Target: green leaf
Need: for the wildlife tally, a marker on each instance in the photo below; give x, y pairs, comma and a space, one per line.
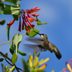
15, 17
1, 5
21, 53
10, 9
17, 39
12, 49
12, 69
40, 23
1, 59
2, 22
25, 66
7, 9
4, 68
14, 58
33, 32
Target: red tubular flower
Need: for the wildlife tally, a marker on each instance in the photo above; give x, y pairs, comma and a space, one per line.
11, 23
36, 9
35, 15
28, 17
29, 24
31, 19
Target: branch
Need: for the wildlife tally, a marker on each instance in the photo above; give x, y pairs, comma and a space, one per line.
7, 59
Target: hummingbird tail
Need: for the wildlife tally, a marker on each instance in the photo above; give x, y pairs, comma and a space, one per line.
57, 53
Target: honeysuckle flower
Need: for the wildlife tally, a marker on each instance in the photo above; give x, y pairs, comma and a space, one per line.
26, 21
37, 65
35, 15
31, 19
68, 66
28, 17
32, 13
33, 10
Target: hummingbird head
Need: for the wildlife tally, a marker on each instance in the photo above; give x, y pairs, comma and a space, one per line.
44, 36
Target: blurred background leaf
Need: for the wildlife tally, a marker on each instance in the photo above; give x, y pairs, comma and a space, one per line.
2, 22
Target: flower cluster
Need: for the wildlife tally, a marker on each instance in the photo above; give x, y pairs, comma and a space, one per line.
35, 65
28, 16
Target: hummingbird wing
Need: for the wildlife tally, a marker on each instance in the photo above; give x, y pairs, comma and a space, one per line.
34, 40
55, 50
35, 47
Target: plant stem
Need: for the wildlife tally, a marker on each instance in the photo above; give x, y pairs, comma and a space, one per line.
7, 59
16, 49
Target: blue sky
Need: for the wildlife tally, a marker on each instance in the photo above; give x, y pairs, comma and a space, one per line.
58, 14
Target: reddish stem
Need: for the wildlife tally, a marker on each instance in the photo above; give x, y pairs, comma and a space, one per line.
11, 23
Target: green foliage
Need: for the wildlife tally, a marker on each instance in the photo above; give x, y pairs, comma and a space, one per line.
14, 58
12, 49
21, 53
25, 66
17, 39
33, 32
7, 68
10, 9
2, 22
40, 23
1, 59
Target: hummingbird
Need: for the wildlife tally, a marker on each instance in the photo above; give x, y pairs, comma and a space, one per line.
44, 44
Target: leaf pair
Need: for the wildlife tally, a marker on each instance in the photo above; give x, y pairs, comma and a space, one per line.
14, 47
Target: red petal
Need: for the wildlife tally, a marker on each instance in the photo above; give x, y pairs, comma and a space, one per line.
31, 19
33, 10
35, 15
